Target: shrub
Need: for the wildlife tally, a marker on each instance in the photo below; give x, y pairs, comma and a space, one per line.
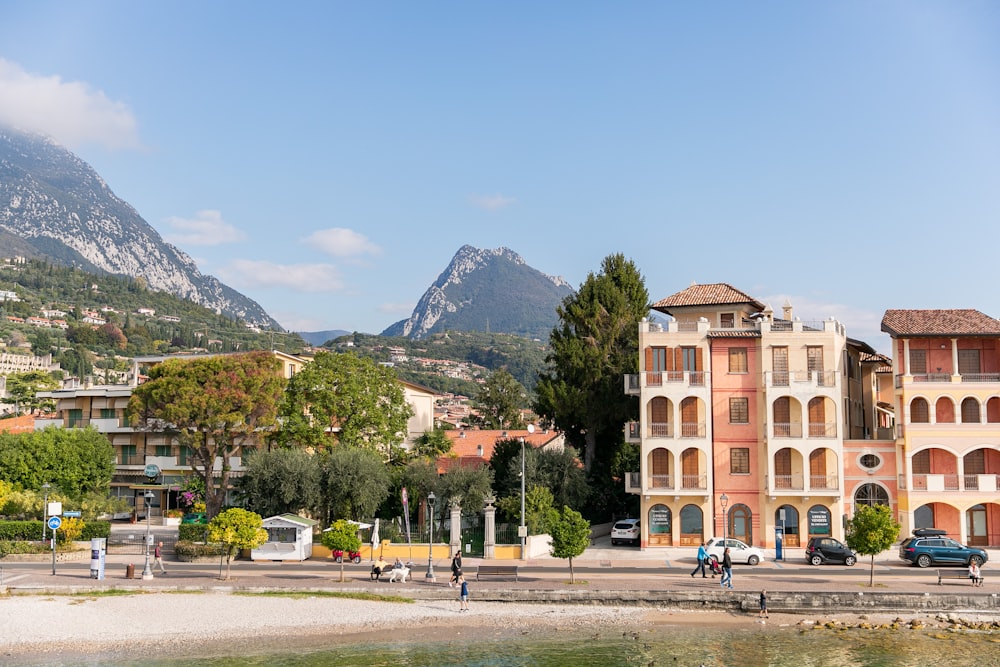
192, 532
196, 550
21, 530
92, 529
22, 547
71, 530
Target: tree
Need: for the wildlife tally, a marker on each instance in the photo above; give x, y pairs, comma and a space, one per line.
236, 529
500, 401
467, 486
352, 397
23, 389
871, 531
280, 480
594, 346
215, 406
341, 536
353, 483
570, 534
74, 461
431, 444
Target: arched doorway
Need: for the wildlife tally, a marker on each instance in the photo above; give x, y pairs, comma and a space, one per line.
740, 519
790, 523
975, 520
923, 517
692, 527
659, 525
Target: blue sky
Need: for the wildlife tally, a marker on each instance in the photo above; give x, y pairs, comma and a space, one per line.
329, 158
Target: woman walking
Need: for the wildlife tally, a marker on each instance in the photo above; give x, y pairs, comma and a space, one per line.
727, 570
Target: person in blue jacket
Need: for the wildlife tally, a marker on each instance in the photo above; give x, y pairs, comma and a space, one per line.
702, 556
463, 600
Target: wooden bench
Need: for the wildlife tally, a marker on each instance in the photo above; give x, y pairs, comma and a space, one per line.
497, 571
953, 574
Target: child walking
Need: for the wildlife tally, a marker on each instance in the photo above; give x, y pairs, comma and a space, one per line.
463, 599
763, 605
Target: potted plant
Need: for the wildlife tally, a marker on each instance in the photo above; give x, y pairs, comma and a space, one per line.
173, 517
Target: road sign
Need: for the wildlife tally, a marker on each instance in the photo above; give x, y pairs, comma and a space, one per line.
72, 514
54, 522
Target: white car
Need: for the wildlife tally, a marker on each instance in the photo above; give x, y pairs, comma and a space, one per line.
625, 530
739, 552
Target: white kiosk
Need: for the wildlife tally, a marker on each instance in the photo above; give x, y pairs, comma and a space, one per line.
289, 537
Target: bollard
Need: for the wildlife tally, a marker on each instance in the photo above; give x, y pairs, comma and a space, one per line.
130, 571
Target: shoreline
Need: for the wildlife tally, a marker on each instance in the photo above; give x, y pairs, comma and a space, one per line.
39, 628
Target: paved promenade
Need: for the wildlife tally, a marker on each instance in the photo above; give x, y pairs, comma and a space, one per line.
603, 575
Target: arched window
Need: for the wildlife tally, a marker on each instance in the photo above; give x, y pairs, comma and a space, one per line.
970, 411
871, 494
923, 517
692, 525
919, 411
659, 521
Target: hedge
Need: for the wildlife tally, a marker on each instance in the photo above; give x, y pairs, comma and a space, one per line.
27, 531
195, 550
192, 532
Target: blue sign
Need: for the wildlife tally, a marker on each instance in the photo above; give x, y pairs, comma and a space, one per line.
54, 522
72, 514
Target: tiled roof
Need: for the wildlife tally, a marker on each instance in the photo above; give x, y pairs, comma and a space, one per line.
465, 445
714, 294
22, 424
952, 322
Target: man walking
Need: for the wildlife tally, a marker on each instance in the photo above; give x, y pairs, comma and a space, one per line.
158, 557
702, 555
727, 570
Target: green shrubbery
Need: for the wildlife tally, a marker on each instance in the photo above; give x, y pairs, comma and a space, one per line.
188, 549
31, 531
192, 532
22, 547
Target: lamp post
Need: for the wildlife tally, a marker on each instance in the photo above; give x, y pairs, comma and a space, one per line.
45, 507
430, 543
522, 530
724, 500
147, 572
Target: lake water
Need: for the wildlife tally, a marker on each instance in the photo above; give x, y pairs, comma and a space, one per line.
658, 647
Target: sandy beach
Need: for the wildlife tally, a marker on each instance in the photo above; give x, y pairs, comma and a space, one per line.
38, 628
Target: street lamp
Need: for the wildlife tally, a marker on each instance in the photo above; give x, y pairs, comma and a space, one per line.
522, 530
147, 572
45, 507
430, 543
724, 500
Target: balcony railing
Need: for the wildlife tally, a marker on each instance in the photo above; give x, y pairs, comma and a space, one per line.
788, 378
824, 482
694, 481
828, 430
788, 482
661, 482
788, 430
947, 377
935, 482
658, 430
632, 432
692, 429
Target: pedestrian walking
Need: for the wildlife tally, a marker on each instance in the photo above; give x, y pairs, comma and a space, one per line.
456, 569
727, 570
463, 597
702, 556
158, 557
763, 605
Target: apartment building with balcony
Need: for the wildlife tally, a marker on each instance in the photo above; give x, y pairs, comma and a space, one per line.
946, 367
746, 420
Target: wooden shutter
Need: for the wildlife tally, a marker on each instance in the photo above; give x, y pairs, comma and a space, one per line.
817, 463
698, 355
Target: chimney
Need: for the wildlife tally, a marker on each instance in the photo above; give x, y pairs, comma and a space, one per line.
479, 450
786, 311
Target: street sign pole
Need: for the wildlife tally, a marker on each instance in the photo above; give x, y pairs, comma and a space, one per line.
54, 522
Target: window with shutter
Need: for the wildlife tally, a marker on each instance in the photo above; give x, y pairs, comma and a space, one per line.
970, 411
922, 462
727, 320
918, 362
739, 410
968, 362
814, 358
919, 411
737, 360
739, 461
779, 363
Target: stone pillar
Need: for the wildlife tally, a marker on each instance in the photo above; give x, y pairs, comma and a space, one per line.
490, 530
456, 525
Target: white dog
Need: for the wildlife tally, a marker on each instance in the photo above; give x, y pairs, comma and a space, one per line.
399, 573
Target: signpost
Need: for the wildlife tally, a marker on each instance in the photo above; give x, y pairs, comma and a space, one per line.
72, 514
54, 523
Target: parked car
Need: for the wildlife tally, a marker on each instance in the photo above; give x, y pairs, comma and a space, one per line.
930, 546
194, 517
739, 552
625, 530
821, 550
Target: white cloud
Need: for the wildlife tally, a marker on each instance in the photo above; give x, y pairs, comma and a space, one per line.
205, 228
393, 308
71, 112
491, 202
341, 242
247, 273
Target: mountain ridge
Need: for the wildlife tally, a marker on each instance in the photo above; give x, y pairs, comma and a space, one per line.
486, 290
57, 206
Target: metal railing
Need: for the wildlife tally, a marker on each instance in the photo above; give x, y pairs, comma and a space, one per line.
661, 481
820, 430
793, 430
821, 482
789, 482
692, 429
694, 481
661, 430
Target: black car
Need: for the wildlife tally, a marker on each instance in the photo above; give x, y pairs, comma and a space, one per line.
821, 550
930, 546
